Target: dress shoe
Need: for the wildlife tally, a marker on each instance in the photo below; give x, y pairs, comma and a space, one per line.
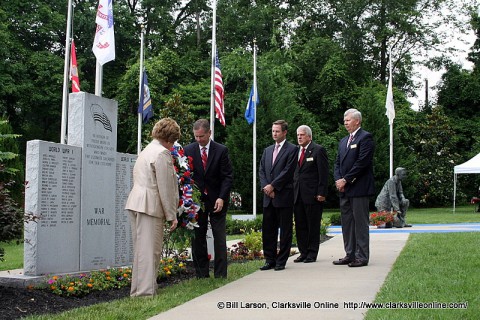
267, 266
342, 261
407, 226
358, 263
300, 259
279, 268
309, 260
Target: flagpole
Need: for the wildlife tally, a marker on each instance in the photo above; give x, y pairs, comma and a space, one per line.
391, 122
212, 86
66, 71
98, 79
254, 173
140, 115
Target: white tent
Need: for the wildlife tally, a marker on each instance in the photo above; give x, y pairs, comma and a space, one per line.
471, 166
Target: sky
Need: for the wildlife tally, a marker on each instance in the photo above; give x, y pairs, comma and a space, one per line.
464, 45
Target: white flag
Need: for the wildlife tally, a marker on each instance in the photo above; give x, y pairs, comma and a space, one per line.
104, 43
389, 103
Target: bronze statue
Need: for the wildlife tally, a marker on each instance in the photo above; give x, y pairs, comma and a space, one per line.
391, 198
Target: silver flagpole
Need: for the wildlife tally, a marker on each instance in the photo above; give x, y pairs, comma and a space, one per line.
212, 89
254, 173
98, 79
140, 114
391, 124
66, 71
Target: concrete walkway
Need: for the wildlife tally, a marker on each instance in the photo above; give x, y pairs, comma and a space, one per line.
318, 290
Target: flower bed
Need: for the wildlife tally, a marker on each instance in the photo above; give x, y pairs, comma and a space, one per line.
382, 218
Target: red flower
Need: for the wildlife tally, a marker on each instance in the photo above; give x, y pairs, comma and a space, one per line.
186, 174
209, 257
190, 162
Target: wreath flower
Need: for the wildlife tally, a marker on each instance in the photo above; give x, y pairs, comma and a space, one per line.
188, 206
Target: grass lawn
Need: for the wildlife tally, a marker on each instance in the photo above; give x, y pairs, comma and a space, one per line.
435, 267
432, 215
13, 256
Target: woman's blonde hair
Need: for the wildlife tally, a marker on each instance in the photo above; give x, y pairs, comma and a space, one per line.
166, 129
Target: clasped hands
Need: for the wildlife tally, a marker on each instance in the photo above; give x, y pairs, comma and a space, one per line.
269, 191
340, 184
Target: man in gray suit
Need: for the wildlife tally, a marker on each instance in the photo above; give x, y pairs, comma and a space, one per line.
355, 182
277, 167
310, 189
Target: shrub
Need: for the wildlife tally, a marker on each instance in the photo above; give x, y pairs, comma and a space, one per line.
235, 226
253, 241
11, 216
335, 219
171, 266
324, 228
249, 249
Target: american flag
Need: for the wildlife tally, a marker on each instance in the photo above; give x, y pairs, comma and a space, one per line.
219, 93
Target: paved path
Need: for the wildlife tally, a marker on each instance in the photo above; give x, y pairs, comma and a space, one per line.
319, 290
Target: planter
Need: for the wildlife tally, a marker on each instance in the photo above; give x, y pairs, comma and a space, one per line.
385, 225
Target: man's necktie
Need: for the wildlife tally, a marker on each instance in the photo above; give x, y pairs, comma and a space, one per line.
204, 158
349, 140
275, 152
302, 157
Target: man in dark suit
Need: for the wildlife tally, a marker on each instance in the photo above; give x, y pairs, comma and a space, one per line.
355, 182
310, 183
212, 173
277, 167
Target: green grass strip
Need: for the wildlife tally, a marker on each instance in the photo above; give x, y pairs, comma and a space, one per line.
438, 267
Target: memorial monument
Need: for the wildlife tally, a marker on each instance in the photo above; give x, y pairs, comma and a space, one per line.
78, 192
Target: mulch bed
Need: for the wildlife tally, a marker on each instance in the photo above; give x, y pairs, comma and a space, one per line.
16, 303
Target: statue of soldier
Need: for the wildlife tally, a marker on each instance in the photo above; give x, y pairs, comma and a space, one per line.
391, 198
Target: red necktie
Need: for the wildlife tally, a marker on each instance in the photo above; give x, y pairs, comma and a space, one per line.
204, 158
302, 157
349, 140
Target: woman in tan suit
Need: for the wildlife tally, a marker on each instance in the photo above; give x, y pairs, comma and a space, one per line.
152, 201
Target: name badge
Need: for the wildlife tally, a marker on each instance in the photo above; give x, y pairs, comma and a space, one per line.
310, 159
353, 146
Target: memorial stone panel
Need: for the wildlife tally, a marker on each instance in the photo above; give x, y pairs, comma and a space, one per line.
52, 195
123, 234
92, 125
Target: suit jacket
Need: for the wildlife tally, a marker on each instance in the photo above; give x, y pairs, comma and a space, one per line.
355, 164
279, 175
155, 184
311, 179
217, 178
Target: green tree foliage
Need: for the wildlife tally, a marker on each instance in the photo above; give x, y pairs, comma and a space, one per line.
11, 216
315, 59
435, 157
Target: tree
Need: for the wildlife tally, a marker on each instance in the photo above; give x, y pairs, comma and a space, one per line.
11, 216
